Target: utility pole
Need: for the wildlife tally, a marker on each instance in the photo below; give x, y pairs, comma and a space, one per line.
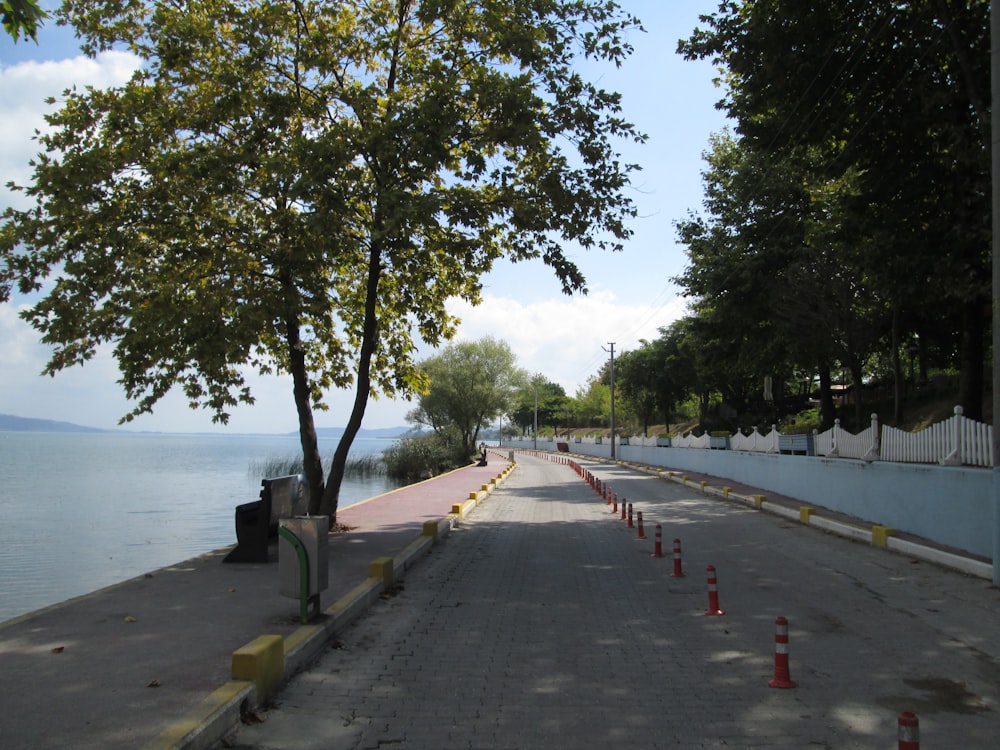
995, 175
534, 427
612, 350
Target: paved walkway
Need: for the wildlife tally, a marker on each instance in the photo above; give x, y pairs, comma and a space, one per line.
116, 668
544, 622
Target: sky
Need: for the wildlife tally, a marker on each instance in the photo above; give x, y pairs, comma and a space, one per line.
566, 339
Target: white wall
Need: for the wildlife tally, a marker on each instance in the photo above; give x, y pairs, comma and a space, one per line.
947, 504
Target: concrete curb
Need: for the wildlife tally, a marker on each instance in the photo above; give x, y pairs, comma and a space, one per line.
876, 535
222, 709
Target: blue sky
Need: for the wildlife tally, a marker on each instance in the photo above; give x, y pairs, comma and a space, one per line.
562, 337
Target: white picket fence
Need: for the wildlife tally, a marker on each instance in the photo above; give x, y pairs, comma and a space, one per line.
755, 441
691, 441
839, 443
954, 442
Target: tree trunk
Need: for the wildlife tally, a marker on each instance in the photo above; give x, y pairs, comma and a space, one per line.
827, 409
971, 355
369, 340
857, 376
897, 370
312, 461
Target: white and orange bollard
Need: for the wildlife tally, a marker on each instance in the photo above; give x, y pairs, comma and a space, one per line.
713, 593
658, 544
909, 731
782, 677
678, 571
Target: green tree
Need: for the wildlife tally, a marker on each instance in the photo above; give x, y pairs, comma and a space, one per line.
551, 403
298, 186
470, 384
592, 403
885, 103
21, 18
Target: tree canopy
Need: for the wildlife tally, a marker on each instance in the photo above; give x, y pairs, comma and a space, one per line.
848, 214
470, 385
297, 186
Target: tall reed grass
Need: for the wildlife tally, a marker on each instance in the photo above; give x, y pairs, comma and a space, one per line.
361, 467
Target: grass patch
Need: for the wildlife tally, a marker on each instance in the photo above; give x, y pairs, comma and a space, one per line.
362, 467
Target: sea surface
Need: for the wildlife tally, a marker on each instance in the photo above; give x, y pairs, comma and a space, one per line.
81, 511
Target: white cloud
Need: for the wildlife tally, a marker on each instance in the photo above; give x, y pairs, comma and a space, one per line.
564, 338
24, 87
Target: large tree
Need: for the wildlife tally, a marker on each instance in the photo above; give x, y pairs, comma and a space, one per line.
883, 104
470, 384
298, 186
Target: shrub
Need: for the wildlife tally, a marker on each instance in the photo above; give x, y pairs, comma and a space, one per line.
413, 459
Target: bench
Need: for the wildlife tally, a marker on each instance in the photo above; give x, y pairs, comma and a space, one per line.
257, 522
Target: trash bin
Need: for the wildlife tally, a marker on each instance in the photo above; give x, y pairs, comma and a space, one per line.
303, 559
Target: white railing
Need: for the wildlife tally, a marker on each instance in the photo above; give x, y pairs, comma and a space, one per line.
954, 442
755, 442
839, 443
691, 441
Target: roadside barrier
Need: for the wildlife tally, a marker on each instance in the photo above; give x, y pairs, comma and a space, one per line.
615, 508
658, 545
630, 524
908, 731
713, 593
678, 572
782, 677
642, 531
623, 508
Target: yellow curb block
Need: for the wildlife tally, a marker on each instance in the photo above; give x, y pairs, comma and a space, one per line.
262, 662
805, 513
881, 534
382, 568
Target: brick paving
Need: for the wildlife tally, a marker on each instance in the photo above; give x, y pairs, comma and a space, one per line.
544, 622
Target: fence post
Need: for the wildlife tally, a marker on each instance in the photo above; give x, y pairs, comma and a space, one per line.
954, 456
875, 450
835, 433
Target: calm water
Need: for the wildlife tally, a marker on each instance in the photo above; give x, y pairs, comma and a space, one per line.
82, 511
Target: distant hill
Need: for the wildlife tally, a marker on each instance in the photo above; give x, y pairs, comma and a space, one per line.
378, 432
10, 423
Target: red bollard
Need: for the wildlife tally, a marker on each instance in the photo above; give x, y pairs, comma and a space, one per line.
623, 509
678, 573
713, 593
782, 678
630, 524
909, 731
658, 546
642, 531
615, 508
